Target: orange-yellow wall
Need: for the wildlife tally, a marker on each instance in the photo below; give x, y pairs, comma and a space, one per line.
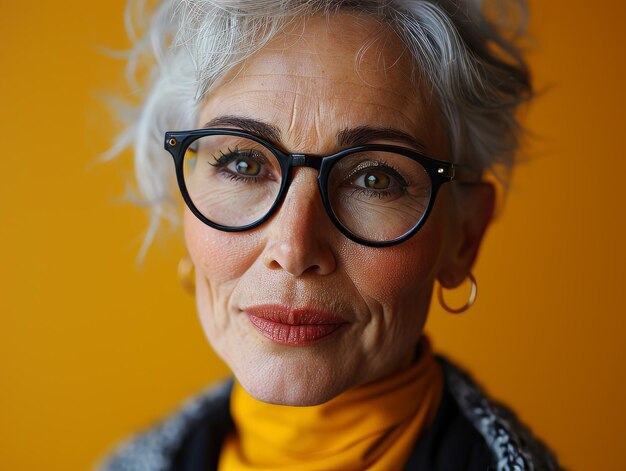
92, 347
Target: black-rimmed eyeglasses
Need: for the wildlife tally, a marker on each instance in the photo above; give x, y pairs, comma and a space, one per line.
376, 195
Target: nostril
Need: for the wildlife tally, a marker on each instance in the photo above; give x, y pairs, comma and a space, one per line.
273, 265
314, 269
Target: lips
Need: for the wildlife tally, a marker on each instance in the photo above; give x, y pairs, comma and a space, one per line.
296, 327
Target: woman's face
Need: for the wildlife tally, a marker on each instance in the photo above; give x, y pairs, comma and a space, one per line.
364, 308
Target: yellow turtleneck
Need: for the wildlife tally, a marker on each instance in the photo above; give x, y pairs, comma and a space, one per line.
374, 426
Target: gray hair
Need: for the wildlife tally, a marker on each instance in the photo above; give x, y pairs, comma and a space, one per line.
465, 49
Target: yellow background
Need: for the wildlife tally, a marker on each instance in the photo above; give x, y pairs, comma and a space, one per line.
92, 347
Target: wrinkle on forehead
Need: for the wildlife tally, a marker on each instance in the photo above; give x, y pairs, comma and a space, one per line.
327, 74
304, 130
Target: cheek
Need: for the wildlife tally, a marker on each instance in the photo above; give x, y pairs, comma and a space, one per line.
399, 273
220, 260
219, 256
404, 273
396, 283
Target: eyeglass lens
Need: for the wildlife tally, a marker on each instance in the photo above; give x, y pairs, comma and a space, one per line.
377, 196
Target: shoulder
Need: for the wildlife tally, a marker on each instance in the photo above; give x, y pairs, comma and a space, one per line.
511, 444
158, 447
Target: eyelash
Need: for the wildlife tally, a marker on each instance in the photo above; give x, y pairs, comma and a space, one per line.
369, 164
226, 158
369, 193
390, 170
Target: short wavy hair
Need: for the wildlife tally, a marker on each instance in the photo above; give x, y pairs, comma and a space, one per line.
466, 50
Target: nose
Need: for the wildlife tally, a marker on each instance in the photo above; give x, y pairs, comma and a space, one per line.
300, 234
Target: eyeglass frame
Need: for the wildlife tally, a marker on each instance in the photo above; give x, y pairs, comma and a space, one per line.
439, 172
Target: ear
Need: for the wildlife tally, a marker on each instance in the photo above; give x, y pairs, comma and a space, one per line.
475, 208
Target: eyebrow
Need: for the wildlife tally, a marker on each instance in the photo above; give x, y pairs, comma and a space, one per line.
261, 129
348, 137
361, 135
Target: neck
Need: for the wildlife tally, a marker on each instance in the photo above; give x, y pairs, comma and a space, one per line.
373, 426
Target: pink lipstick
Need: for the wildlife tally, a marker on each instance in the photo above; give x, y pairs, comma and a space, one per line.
296, 327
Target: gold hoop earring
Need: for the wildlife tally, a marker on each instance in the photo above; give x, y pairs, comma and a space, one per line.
470, 302
186, 276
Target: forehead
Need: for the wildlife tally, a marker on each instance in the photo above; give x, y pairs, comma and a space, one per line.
323, 75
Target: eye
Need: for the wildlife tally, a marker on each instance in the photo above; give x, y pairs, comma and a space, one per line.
374, 180
375, 177
246, 166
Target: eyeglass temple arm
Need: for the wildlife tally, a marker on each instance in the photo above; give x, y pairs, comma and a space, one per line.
464, 174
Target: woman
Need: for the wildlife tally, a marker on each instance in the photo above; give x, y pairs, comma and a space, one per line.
334, 170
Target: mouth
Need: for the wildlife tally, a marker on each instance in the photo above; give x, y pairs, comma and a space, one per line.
294, 326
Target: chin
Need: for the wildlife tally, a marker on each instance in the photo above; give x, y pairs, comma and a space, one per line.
301, 395
291, 383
